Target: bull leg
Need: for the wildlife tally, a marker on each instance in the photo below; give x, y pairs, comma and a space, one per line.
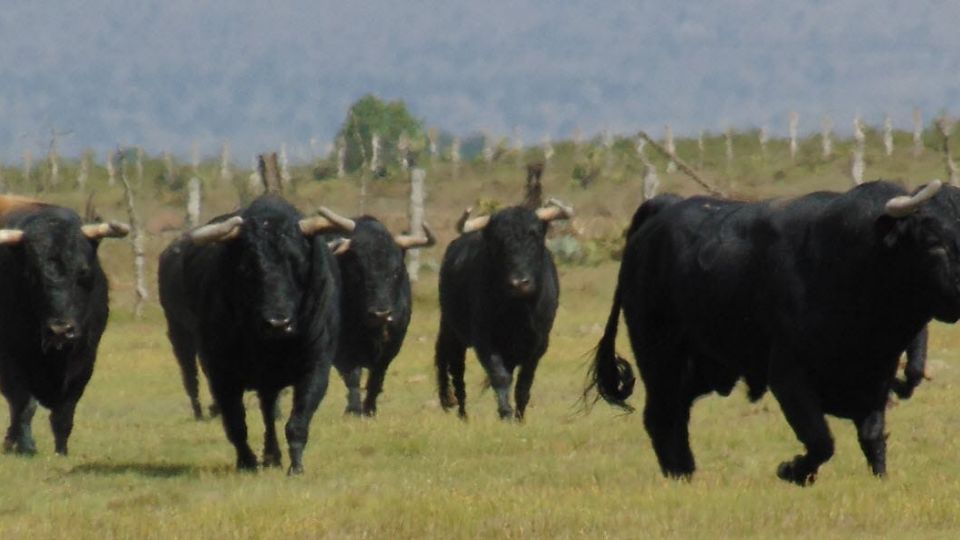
521, 393
307, 394
451, 364
803, 411
61, 422
19, 437
351, 378
873, 441
915, 368
666, 416
185, 350
271, 448
374, 387
501, 379
235, 424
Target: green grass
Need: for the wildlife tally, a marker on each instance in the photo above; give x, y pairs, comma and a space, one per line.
141, 467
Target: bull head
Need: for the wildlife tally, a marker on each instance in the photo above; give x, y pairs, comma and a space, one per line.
229, 229
553, 211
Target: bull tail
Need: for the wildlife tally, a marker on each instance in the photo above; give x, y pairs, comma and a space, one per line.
610, 374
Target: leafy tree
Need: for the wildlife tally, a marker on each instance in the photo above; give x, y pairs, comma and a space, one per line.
388, 119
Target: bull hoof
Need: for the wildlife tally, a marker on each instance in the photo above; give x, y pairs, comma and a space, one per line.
351, 411
295, 470
272, 461
247, 464
789, 472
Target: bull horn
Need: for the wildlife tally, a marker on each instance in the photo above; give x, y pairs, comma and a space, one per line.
554, 210
310, 226
344, 223
10, 237
905, 205
407, 241
467, 224
221, 231
111, 229
339, 246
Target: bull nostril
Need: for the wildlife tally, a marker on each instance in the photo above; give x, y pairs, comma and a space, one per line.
520, 282
62, 328
278, 322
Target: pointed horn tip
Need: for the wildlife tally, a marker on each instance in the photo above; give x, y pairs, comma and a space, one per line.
343, 222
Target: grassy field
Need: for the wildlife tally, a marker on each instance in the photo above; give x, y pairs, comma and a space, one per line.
140, 466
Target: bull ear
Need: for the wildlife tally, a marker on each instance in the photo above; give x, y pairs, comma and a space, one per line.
222, 231
554, 210
339, 246
111, 229
10, 237
406, 241
905, 205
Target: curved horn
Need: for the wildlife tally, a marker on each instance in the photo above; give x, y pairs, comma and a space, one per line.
466, 224
406, 241
111, 229
222, 231
339, 246
905, 205
554, 210
10, 237
310, 226
463, 218
344, 223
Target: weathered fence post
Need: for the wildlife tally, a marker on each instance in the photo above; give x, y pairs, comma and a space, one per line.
826, 141
858, 166
670, 146
139, 256
650, 180
84, 173
193, 202
169, 175
728, 139
945, 125
701, 149
455, 156
53, 160
403, 150
375, 152
417, 194
547, 149
111, 168
794, 121
917, 132
432, 139
341, 157
487, 150
285, 178
269, 173
226, 176
887, 135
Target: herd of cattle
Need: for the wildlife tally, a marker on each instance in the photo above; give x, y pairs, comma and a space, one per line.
815, 296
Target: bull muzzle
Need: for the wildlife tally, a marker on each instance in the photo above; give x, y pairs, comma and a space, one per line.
379, 316
521, 285
278, 326
59, 334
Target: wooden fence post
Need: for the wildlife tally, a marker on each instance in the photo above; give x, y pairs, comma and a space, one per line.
670, 146
193, 202
53, 160
455, 156
432, 139
728, 139
887, 135
651, 182
701, 149
111, 168
375, 157
794, 121
226, 175
826, 142
858, 166
403, 151
84, 172
139, 256
945, 125
547, 149
917, 132
417, 195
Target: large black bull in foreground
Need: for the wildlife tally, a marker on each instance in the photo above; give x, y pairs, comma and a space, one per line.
256, 294
53, 310
498, 294
375, 302
815, 297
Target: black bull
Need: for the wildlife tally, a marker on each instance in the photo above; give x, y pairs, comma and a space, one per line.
375, 303
53, 311
814, 297
256, 294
